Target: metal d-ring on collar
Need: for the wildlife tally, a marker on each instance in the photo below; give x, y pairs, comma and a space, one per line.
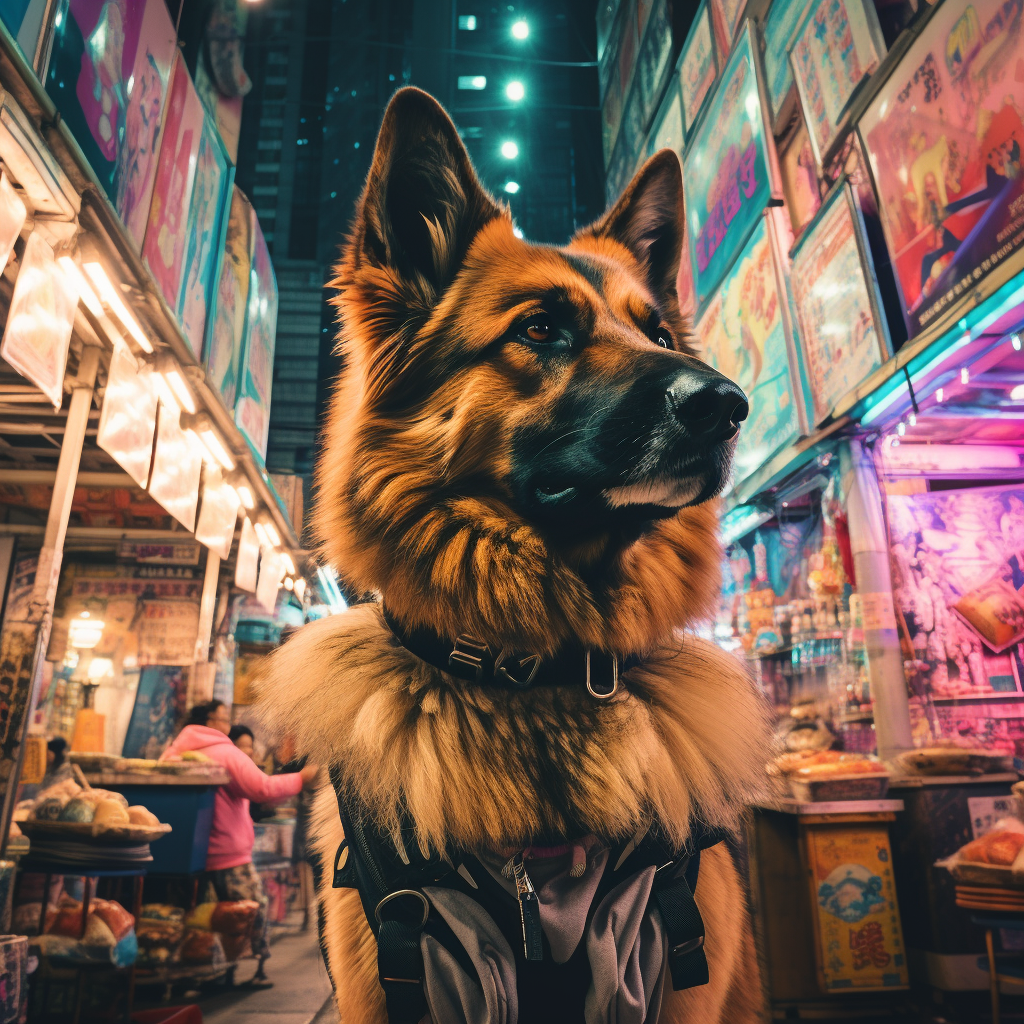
597, 694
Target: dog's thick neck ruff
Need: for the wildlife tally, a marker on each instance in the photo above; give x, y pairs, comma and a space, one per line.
482, 768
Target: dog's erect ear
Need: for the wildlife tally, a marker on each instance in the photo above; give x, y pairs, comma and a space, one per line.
422, 204
648, 220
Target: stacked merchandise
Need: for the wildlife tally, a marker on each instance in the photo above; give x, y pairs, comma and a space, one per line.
208, 938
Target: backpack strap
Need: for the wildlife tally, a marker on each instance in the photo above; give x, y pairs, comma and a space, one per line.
390, 884
675, 882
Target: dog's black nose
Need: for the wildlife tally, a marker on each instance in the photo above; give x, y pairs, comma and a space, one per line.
710, 406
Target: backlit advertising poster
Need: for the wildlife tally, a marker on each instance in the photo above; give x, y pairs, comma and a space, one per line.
743, 334
836, 48
226, 329
252, 411
164, 247
108, 74
729, 172
944, 138
784, 17
698, 65
842, 335
204, 236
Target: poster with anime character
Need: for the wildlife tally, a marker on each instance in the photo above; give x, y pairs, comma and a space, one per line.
204, 236
784, 17
164, 246
226, 330
252, 411
843, 337
726, 171
109, 71
698, 65
159, 705
835, 50
944, 140
958, 579
743, 335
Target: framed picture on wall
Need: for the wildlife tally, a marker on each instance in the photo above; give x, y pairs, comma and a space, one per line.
745, 332
698, 65
654, 62
834, 51
843, 334
943, 138
730, 170
780, 25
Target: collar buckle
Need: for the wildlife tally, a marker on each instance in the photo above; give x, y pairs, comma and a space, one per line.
469, 658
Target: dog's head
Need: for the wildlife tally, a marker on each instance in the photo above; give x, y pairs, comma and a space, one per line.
522, 443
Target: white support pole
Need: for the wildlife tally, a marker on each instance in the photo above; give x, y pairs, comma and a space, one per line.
869, 541
207, 606
52, 552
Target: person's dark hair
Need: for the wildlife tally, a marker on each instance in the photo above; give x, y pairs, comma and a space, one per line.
58, 747
201, 712
237, 731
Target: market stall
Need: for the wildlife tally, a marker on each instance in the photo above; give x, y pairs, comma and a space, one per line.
854, 258
138, 300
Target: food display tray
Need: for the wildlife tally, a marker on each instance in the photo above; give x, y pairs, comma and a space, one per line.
854, 786
98, 833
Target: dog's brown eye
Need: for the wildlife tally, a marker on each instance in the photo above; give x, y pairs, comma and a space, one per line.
663, 338
539, 329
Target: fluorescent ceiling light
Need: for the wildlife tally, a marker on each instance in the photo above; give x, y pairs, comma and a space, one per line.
85, 292
108, 293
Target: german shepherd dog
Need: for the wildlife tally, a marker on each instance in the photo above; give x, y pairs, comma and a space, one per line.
523, 448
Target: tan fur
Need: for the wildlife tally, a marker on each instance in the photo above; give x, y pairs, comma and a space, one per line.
418, 503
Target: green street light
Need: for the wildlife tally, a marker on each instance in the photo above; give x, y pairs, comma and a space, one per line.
509, 150
511, 187
520, 30
515, 91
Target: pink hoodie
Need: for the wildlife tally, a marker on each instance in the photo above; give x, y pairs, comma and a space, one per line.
232, 836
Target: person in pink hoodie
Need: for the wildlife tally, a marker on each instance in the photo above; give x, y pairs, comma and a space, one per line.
230, 872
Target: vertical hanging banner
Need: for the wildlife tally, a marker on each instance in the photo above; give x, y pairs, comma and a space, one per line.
164, 246
944, 137
128, 420
39, 322
177, 466
727, 14
108, 74
247, 557
252, 410
729, 170
667, 131
698, 65
204, 236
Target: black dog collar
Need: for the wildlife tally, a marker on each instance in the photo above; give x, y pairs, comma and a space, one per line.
476, 661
